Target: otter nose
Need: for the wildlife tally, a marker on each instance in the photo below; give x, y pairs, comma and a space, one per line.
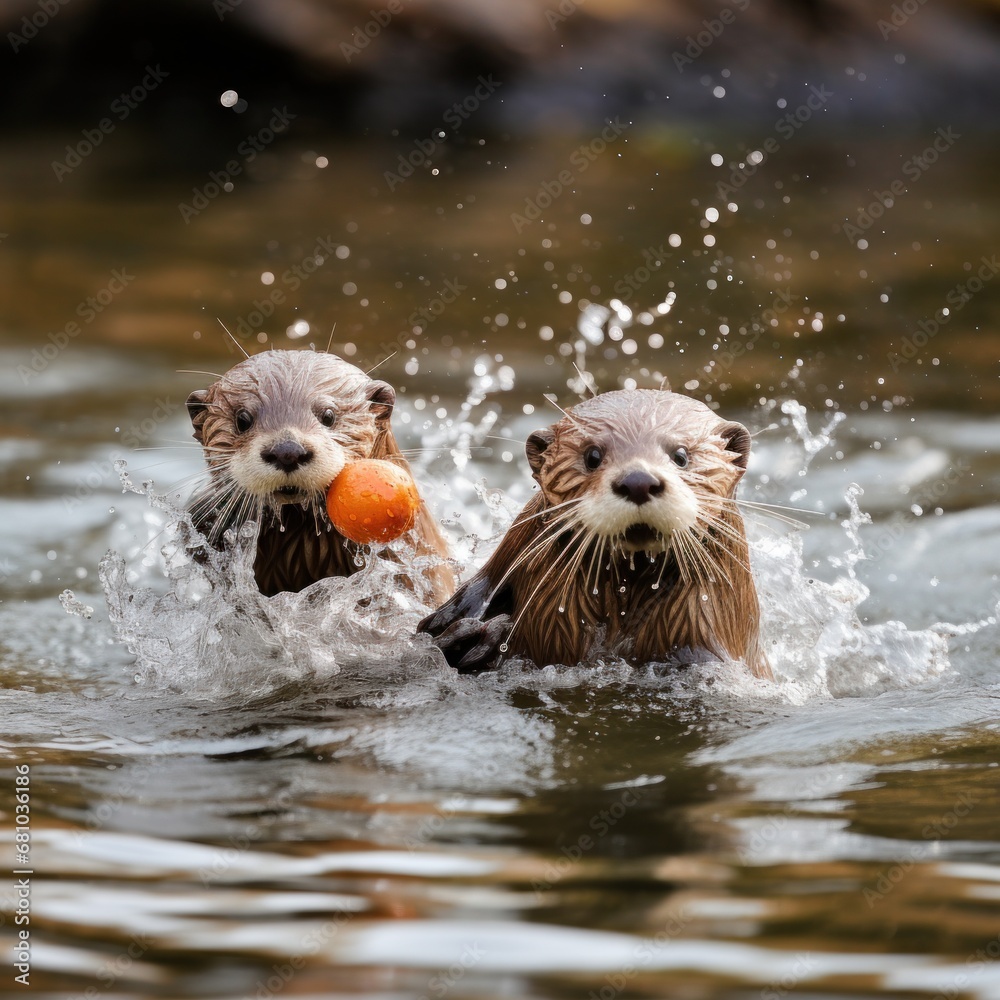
286, 455
638, 486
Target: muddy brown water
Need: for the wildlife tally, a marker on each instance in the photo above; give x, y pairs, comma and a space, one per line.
385, 830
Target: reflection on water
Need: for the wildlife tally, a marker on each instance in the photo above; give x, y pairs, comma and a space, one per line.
240, 811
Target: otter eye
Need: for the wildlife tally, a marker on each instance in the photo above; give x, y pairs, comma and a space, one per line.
593, 457
680, 457
244, 421
327, 417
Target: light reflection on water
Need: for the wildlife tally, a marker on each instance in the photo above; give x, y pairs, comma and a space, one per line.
390, 829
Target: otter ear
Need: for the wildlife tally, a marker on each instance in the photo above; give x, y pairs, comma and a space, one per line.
382, 397
535, 447
737, 439
197, 407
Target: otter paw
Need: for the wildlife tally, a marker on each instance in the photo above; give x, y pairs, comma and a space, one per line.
471, 645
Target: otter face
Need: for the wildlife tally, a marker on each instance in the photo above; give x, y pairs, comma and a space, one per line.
635, 467
279, 427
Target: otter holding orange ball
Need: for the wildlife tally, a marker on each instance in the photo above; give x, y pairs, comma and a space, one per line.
277, 430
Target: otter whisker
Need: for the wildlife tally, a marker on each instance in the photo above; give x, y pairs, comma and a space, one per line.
707, 560
720, 529
774, 511
582, 542
527, 604
597, 556
665, 562
233, 339
546, 536
520, 519
586, 378
388, 357
222, 523
549, 398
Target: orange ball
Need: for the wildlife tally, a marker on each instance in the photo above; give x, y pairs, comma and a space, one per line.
372, 501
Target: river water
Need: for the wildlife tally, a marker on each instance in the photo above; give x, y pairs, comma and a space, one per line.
232, 796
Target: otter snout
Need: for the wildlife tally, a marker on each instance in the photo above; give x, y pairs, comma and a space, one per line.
287, 455
638, 486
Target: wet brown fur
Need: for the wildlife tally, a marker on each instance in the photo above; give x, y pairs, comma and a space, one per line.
286, 389
546, 569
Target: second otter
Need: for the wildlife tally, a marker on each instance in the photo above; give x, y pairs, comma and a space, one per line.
276, 430
634, 544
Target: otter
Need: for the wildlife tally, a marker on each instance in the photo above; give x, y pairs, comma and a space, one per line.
634, 544
276, 430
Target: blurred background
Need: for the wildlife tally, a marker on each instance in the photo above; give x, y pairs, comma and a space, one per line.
763, 137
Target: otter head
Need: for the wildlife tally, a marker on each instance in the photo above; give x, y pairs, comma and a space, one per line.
278, 427
635, 466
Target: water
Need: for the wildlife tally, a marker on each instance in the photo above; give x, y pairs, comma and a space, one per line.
294, 796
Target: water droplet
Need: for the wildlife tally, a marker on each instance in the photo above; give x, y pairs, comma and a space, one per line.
654, 586
621, 589
504, 647
562, 609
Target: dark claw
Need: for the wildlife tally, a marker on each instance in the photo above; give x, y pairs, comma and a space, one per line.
470, 645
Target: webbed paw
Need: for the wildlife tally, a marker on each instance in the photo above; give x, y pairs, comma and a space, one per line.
471, 644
